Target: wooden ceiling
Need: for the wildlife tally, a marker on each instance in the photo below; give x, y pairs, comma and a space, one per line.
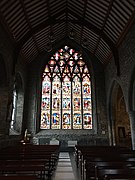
101, 24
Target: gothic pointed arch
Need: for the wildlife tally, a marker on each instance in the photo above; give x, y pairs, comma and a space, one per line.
66, 92
17, 106
131, 92
119, 124
3, 73
4, 96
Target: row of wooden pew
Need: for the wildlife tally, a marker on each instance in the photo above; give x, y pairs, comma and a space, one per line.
105, 162
32, 161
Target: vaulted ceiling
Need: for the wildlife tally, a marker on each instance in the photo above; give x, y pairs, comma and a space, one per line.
98, 25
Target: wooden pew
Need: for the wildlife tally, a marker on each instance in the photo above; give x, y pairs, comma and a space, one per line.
29, 158
105, 173
96, 159
29, 169
91, 150
18, 177
119, 177
96, 169
87, 154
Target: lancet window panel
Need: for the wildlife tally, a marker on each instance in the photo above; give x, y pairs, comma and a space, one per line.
66, 92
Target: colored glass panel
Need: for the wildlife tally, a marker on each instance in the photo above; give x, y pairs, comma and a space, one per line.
81, 63
56, 55
76, 70
87, 121
77, 103
76, 86
66, 103
66, 124
76, 91
66, 86
61, 63
86, 87
56, 103
56, 120
87, 104
66, 70
61, 69
86, 69
52, 62
46, 69
66, 56
46, 85
45, 103
76, 56
77, 122
87, 109
71, 63
71, 69
56, 70
45, 120
71, 51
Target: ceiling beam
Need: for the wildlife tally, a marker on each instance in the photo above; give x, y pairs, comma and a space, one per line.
81, 22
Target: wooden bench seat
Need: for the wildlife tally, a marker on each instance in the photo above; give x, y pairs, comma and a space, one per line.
106, 173
120, 176
84, 151
88, 158
18, 177
29, 160
38, 170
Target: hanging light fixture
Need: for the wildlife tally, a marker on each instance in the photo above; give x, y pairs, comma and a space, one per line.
52, 37
48, 47
72, 34
85, 43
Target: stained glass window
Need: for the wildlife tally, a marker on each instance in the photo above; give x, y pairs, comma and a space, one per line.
46, 92
13, 121
66, 92
56, 103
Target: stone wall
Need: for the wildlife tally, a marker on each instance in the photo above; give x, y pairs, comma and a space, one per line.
6, 55
127, 66
11, 69
125, 81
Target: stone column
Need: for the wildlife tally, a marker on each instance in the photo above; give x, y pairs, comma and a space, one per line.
132, 126
3, 110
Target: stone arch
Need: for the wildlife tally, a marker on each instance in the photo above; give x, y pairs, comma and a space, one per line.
3, 72
63, 119
131, 104
3, 96
90, 59
119, 124
18, 119
131, 92
33, 115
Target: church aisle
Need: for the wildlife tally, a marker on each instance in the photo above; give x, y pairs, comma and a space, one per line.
65, 169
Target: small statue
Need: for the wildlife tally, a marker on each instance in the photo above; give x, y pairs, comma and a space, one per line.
27, 136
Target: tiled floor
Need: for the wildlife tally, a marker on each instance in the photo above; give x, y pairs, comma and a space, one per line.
66, 169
